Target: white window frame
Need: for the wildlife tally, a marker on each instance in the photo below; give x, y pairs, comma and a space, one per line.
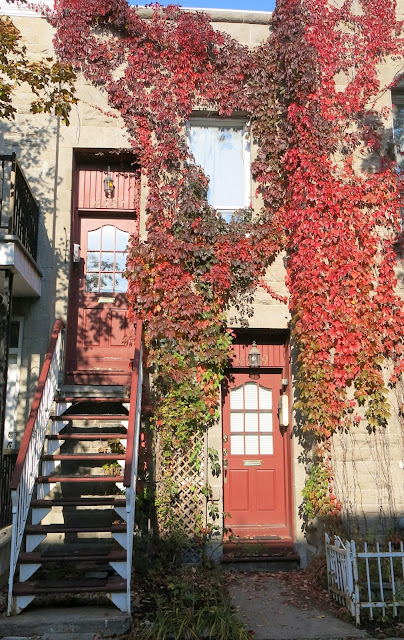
229, 123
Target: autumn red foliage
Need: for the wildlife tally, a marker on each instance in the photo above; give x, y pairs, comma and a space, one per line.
330, 199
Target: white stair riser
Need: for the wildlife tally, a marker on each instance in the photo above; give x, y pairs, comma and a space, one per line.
39, 513
120, 600
27, 570
33, 540
121, 568
20, 602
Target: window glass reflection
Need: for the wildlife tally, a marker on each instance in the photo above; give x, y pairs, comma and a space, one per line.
94, 239
108, 238
93, 261
120, 261
121, 283
122, 239
107, 261
92, 282
106, 282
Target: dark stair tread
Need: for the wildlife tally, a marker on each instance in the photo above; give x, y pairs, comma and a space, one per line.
87, 436
89, 416
80, 502
115, 585
84, 456
36, 557
292, 557
62, 528
82, 478
94, 399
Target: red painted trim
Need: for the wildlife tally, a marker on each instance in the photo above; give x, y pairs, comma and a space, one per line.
127, 478
15, 480
289, 460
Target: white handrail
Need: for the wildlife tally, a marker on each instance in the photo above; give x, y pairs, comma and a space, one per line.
26, 469
131, 490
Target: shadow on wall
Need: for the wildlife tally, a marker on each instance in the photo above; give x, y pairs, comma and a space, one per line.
34, 140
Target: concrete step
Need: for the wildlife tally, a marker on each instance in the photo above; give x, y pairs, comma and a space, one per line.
67, 623
259, 554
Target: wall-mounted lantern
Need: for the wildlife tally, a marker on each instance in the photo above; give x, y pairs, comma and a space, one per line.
254, 357
109, 185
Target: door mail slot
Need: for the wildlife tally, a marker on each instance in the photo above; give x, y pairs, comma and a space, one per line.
106, 300
252, 463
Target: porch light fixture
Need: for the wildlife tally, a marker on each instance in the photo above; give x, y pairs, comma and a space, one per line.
109, 185
254, 357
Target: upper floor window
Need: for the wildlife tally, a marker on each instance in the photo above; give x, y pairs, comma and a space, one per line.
221, 148
398, 127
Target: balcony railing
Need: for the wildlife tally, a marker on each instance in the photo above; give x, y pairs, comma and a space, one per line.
19, 211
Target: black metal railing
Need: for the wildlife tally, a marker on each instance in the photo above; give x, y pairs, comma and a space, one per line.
19, 211
6, 470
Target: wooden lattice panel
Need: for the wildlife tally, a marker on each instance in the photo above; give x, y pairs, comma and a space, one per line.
186, 474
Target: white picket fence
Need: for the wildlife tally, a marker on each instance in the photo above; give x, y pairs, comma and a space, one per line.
369, 579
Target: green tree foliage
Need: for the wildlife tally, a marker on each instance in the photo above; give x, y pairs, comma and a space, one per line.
51, 83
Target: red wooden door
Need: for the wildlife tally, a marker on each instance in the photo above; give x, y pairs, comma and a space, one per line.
255, 459
100, 354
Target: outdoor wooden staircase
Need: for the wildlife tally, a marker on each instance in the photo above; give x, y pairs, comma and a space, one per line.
78, 533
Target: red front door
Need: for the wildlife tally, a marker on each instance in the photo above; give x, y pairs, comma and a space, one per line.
100, 353
255, 459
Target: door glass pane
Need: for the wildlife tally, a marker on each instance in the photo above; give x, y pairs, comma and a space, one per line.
107, 262
92, 282
237, 445
251, 396
236, 422
106, 282
121, 283
266, 445
266, 421
251, 445
122, 239
93, 261
120, 261
94, 240
251, 421
265, 398
108, 238
236, 398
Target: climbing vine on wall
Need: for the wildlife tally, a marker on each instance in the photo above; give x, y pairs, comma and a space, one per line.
335, 192
309, 91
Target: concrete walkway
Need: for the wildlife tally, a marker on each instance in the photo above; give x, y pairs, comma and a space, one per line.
265, 605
